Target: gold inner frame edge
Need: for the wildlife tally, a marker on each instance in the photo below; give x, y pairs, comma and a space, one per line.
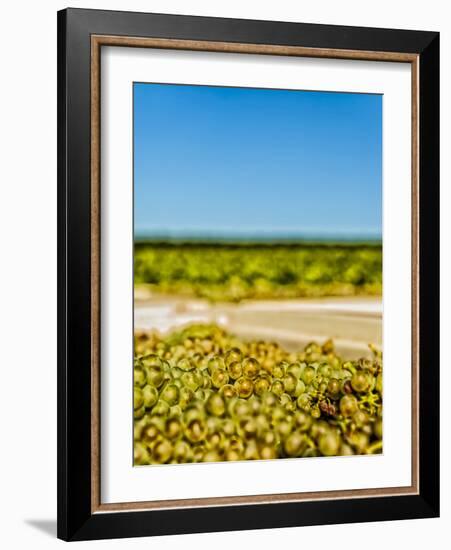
97, 41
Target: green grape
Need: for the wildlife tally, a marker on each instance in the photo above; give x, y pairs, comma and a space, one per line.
161, 408
211, 456
346, 450
333, 388
138, 398
199, 451
228, 427
324, 370
207, 345
315, 411
284, 399
322, 386
289, 383
162, 451
182, 452
360, 418
295, 370
255, 404
235, 370
194, 412
196, 431
188, 343
371, 382
228, 391
291, 406
185, 364
359, 441
304, 402
219, 378
170, 394
177, 382
200, 394
152, 431
294, 444
241, 408
284, 428
329, 443
328, 347
269, 400
300, 388
268, 453
215, 441
151, 360
139, 413
308, 374
236, 444
138, 428
175, 411
278, 414
216, 405
312, 348
185, 397
206, 382
251, 450
233, 455
244, 387
319, 428
216, 362
190, 381
278, 387
139, 376
176, 373
251, 367
140, 454
377, 428
262, 384
155, 375
150, 396
278, 371
348, 405
249, 428
349, 367
173, 428
232, 356
303, 421
359, 382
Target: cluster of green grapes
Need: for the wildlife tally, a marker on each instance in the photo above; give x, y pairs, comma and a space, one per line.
201, 395
238, 272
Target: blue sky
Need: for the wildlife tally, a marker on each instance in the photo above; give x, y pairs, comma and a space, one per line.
216, 161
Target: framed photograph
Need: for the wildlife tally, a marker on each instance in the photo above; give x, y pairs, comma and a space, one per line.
248, 274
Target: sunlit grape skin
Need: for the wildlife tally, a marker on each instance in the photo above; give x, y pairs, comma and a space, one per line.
329, 443
359, 381
244, 387
348, 405
211, 397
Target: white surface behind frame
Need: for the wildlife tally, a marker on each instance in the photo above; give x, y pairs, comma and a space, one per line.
120, 481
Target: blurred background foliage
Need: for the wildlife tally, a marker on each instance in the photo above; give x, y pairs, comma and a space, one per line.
238, 271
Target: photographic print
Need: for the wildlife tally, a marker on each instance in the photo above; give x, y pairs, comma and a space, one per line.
248, 274
257, 273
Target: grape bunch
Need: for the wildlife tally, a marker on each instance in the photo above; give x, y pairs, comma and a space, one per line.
202, 395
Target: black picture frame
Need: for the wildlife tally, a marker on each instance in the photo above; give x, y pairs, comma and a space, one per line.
76, 518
